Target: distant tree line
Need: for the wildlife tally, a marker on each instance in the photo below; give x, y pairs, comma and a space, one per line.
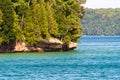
32, 21
101, 22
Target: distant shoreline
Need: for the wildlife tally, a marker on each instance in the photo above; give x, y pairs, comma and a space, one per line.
101, 35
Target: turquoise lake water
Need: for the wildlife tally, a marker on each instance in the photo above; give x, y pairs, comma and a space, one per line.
96, 58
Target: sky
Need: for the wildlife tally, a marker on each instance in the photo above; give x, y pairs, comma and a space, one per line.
102, 4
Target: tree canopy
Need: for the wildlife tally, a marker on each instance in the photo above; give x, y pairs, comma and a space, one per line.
32, 21
101, 22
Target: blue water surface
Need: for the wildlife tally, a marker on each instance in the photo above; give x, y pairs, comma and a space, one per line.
96, 58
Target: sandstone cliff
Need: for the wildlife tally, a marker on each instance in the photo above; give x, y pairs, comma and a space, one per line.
47, 45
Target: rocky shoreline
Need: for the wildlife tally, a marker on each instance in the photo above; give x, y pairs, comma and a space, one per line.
50, 45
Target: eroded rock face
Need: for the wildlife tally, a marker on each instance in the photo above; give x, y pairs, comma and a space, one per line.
51, 44
73, 45
70, 46
7, 47
52, 41
20, 47
47, 45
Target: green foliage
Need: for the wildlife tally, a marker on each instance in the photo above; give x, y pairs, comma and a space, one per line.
1, 14
29, 26
1, 20
7, 9
34, 20
101, 22
52, 24
67, 16
32, 28
17, 30
43, 20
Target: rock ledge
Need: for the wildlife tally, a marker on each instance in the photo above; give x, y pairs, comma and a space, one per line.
47, 45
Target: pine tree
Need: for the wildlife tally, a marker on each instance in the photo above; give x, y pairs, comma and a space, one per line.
1, 14
7, 9
1, 20
52, 24
29, 26
34, 20
43, 20
21, 10
17, 30
32, 30
67, 16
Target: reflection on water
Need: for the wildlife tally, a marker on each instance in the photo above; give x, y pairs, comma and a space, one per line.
95, 59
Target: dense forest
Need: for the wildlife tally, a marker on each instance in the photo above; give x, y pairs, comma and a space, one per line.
32, 21
101, 22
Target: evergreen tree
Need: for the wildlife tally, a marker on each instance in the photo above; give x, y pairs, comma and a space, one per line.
1, 14
29, 26
52, 24
17, 30
67, 16
34, 20
7, 9
32, 27
1, 20
43, 20
21, 10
